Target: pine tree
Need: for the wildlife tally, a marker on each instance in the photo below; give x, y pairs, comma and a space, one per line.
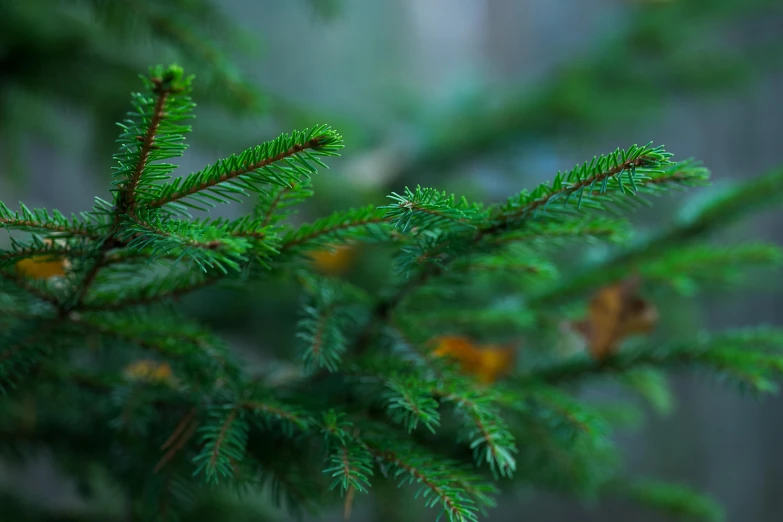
414, 384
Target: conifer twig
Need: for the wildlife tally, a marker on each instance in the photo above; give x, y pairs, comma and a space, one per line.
227, 176
51, 227
162, 92
23, 284
184, 431
144, 300
343, 226
543, 201
644, 159
724, 210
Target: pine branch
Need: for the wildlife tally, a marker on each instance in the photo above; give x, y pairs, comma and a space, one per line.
151, 134
37, 289
547, 234
350, 469
247, 227
639, 164
283, 161
23, 347
94, 261
725, 355
328, 314
596, 185
564, 445
409, 398
40, 248
171, 336
182, 434
459, 492
440, 481
652, 384
351, 462
43, 220
323, 341
687, 267
724, 210
274, 205
561, 411
224, 437
365, 223
146, 143
238, 432
268, 411
427, 208
209, 247
674, 500
470, 318
157, 290
407, 403
487, 433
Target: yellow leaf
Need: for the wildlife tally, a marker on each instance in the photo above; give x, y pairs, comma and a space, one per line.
334, 262
41, 267
496, 362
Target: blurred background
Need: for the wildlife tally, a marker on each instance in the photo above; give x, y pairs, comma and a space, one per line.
480, 97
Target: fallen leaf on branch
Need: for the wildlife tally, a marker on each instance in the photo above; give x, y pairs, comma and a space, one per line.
616, 312
486, 363
41, 267
458, 348
335, 261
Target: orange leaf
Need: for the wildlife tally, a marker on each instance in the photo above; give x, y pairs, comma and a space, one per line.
486, 363
458, 348
334, 262
496, 362
615, 312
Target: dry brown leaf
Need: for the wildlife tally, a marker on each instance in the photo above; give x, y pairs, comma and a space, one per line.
616, 312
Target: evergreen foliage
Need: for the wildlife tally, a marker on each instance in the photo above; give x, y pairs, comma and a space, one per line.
190, 427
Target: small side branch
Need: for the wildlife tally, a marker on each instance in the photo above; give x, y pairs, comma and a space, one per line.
147, 143
25, 285
233, 174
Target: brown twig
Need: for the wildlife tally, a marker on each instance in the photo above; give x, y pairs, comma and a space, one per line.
186, 428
